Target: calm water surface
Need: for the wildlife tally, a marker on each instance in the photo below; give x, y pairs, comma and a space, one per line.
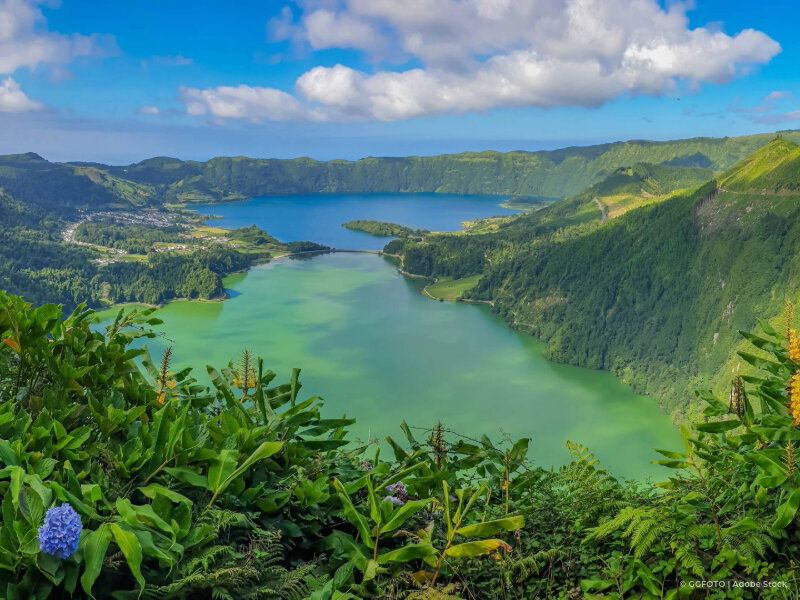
319, 218
376, 349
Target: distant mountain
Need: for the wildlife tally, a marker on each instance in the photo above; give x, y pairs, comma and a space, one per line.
555, 174
655, 295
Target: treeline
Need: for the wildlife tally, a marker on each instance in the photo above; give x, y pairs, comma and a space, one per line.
164, 277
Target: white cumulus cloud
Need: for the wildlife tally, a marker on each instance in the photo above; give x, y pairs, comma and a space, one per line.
242, 102
476, 55
14, 100
25, 42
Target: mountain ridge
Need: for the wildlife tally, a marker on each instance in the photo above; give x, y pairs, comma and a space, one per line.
561, 173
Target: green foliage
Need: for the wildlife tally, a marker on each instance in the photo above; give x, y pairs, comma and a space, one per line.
237, 490
253, 235
297, 247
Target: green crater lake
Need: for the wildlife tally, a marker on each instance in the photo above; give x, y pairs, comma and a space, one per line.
377, 350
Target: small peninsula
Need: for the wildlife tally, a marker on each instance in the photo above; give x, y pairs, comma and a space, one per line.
383, 229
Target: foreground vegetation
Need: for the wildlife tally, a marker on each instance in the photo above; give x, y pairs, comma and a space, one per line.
120, 481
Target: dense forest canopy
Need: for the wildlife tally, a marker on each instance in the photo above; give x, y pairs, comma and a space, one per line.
381, 228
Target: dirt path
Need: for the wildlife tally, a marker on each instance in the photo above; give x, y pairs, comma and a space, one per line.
603, 213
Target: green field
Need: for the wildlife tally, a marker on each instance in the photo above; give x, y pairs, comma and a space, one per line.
451, 289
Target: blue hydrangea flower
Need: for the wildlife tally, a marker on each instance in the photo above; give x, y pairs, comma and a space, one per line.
61, 531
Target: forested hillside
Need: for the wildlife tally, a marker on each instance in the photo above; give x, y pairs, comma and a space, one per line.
656, 295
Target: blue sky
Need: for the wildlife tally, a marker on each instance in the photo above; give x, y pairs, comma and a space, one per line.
120, 81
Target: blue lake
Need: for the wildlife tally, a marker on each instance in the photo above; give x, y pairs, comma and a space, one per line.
319, 218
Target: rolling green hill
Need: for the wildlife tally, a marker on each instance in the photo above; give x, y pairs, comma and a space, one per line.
62, 188
650, 180
655, 295
631, 167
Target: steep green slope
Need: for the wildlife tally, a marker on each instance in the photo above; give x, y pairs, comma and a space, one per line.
643, 183
645, 179
556, 174
774, 170
63, 188
656, 295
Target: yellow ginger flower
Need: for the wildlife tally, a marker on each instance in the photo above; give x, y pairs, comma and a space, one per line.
794, 346
794, 397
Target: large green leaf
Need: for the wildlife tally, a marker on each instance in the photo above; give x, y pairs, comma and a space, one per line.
132, 551
718, 426
407, 553
470, 549
491, 527
358, 520
154, 489
216, 480
787, 510
222, 466
402, 514
93, 547
186, 475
